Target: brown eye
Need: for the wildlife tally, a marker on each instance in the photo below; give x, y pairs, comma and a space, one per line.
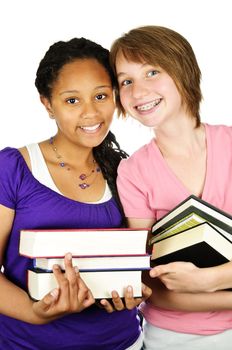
72, 101
100, 97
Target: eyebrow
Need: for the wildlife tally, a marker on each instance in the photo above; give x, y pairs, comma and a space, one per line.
142, 65
77, 91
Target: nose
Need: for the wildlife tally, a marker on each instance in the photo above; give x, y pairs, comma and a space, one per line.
139, 89
89, 110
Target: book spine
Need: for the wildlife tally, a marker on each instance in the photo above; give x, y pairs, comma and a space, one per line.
101, 270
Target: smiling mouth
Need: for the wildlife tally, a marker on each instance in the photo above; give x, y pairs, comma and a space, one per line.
91, 128
148, 106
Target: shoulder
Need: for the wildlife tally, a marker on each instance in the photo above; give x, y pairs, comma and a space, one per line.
219, 135
9, 154
138, 159
218, 129
25, 155
11, 160
13, 168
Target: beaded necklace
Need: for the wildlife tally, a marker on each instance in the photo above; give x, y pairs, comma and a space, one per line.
83, 185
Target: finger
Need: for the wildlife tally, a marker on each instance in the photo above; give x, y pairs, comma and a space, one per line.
58, 272
130, 301
146, 291
85, 295
157, 271
49, 299
107, 306
89, 300
70, 271
63, 283
68, 263
117, 301
71, 274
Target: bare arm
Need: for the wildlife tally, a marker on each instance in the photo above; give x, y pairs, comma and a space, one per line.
188, 301
14, 301
140, 223
71, 296
186, 277
198, 302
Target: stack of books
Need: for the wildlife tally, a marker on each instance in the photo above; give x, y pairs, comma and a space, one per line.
108, 259
194, 231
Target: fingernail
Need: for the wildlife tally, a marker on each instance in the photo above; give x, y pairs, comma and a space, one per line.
54, 293
76, 269
69, 256
114, 294
56, 267
130, 289
144, 287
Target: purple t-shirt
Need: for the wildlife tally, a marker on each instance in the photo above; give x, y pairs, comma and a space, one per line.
38, 207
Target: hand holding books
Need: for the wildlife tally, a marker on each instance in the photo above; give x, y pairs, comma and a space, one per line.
129, 301
72, 295
193, 233
181, 276
106, 258
185, 277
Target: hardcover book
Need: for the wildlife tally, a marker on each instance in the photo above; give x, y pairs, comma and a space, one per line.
192, 211
132, 262
101, 283
202, 245
108, 259
80, 242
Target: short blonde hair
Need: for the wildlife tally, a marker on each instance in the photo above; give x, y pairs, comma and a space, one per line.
163, 47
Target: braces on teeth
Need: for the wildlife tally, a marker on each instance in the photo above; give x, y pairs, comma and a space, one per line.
148, 106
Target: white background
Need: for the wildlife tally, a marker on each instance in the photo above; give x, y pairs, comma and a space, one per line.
29, 27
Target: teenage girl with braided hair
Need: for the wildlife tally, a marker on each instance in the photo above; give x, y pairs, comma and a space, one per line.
67, 181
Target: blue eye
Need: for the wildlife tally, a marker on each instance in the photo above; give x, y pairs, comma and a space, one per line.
152, 73
126, 82
72, 100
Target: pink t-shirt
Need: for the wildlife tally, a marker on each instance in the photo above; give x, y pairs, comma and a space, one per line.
149, 189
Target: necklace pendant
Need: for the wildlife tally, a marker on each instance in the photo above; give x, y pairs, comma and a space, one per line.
84, 186
82, 177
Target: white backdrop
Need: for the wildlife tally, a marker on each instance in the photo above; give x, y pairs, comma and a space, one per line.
29, 27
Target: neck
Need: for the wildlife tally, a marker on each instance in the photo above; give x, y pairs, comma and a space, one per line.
86, 173
72, 153
181, 138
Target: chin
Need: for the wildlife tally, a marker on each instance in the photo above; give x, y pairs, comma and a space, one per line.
96, 142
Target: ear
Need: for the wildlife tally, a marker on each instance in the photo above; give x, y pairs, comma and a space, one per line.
47, 104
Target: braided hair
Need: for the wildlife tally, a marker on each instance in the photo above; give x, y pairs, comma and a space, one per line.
108, 154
